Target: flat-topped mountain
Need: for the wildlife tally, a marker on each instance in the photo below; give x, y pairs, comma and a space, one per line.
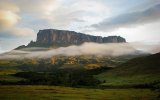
63, 38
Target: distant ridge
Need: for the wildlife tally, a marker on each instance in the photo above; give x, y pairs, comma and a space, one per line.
63, 38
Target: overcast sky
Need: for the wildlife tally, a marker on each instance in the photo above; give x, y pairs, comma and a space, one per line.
135, 20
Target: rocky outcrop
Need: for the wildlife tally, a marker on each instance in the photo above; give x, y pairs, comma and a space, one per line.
62, 38
58, 38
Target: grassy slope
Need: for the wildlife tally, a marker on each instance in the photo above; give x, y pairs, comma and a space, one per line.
66, 93
141, 70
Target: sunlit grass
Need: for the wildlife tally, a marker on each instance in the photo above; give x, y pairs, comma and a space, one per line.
67, 93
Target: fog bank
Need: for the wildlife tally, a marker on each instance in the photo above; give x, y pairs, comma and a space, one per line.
107, 49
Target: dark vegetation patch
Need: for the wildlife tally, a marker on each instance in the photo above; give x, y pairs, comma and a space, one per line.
62, 77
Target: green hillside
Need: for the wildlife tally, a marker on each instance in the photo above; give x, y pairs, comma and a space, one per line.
141, 71
47, 64
57, 70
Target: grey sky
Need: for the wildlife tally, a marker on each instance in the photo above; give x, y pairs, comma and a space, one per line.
136, 20
130, 19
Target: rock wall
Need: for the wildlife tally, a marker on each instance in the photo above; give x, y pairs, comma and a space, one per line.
58, 38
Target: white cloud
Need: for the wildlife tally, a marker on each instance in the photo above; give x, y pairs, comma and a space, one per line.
60, 14
8, 14
7, 19
17, 32
8, 5
143, 33
110, 49
84, 49
78, 13
129, 19
1, 50
22, 31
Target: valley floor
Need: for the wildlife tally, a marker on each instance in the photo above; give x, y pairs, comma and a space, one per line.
30, 92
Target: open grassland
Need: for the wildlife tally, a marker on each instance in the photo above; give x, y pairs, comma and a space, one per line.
111, 80
138, 71
66, 93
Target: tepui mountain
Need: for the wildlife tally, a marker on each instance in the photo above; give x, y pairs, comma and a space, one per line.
63, 38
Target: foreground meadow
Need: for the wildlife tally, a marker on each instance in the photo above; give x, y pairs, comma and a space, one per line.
28, 92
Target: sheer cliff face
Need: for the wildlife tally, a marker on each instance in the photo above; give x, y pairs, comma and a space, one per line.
57, 38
